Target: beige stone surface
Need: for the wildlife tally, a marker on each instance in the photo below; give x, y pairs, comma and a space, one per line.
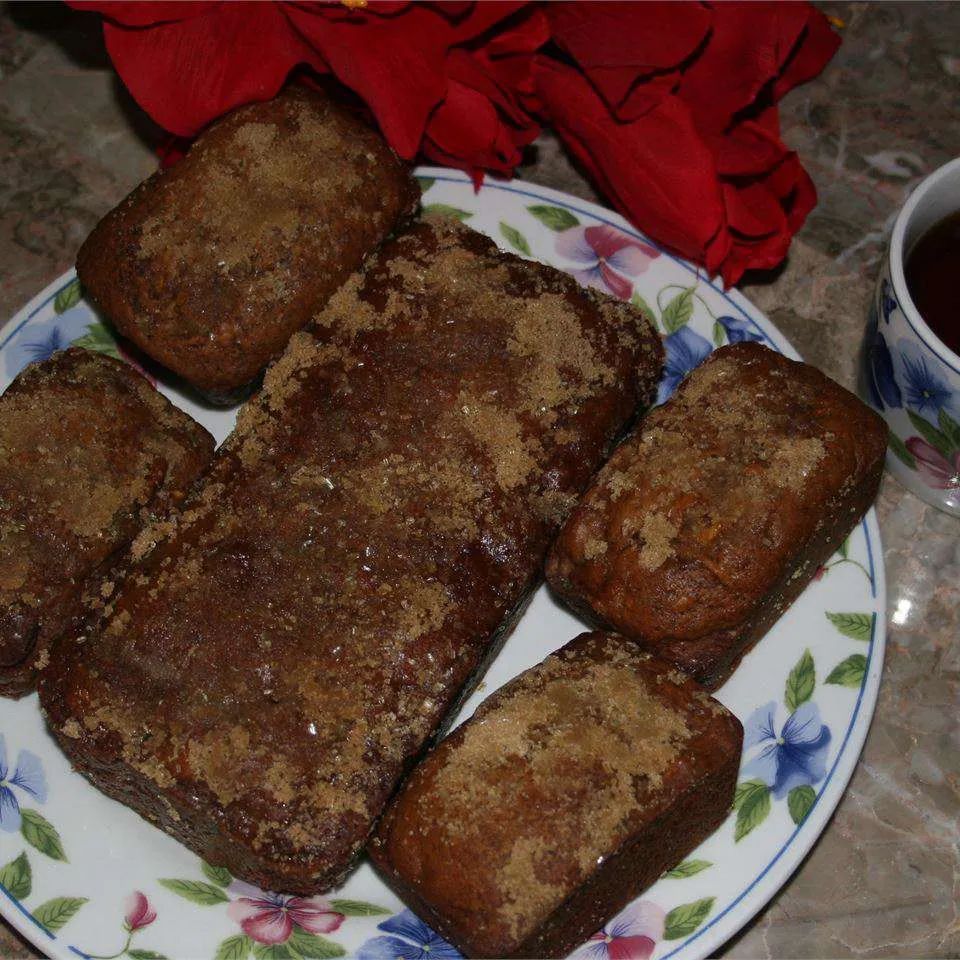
884, 879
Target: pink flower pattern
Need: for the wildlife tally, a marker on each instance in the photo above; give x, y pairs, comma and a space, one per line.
937, 470
269, 918
631, 935
608, 257
139, 912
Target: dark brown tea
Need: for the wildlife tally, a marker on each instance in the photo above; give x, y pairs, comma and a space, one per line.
933, 279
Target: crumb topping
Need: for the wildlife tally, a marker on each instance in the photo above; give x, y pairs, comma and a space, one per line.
554, 774
381, 506
714, 477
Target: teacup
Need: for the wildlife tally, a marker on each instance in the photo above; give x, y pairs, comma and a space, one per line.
907, 373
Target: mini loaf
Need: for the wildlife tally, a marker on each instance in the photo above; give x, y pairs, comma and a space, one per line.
276, 659
712, 518
211, 265
89, 452
571, 790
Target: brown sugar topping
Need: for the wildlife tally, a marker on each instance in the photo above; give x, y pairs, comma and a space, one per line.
584, 743
383, 504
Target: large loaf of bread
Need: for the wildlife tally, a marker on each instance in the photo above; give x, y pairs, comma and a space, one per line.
210, 265
89, 452
280, 653
712, 518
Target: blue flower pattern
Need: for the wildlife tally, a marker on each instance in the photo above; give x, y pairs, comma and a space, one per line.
923, 388
685, 350
888, 303
880, 378
794, 756
413, 940
27, 776
39, 341
739, 331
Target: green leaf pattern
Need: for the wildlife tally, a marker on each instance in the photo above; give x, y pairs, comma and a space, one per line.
68, 297
99, 339
56, 912
358, 908
515, 238
555, 218
196, 891
678, 311
234, 948
219, 875
445, 210
799, 802
800, 683
17, 877
688, 868
683, 920
849, 672
40, 833
856, 626
752, 803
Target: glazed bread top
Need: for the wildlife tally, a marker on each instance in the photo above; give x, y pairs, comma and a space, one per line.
280, 653
210, 265
698, 515
85, 445
556, 772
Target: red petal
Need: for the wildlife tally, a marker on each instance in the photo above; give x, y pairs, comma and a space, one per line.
619, 286
817, 44
648, 94
394, 64
752, 147
144, 13
655, 169
753, 210
615, 43
185, 74
523, 36
268, 926
630, 948
747, 47
467, 125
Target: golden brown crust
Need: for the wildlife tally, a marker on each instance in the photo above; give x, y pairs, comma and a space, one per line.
88, 452
209, 266
569, 790
281, 651
714, 516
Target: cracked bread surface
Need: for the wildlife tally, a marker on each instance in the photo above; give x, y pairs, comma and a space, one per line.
89, 453
714, 515
210, 265
282, 650
570, 790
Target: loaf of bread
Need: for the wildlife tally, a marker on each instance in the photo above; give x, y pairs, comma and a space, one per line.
709, 521
210, 265
89, 451
570, 790
281, 652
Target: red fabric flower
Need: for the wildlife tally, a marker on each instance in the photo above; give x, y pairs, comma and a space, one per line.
670, 107
682, 134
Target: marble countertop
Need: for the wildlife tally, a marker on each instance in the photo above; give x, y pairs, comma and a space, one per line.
884, 879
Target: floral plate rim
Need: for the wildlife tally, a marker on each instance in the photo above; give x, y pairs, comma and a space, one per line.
766, 882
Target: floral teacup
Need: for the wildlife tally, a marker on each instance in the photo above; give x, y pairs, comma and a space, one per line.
908, 374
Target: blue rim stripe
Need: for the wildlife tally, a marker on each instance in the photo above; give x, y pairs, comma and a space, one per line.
26, 912
874, 617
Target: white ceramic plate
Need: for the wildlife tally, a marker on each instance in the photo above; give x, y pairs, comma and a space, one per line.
72, 860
